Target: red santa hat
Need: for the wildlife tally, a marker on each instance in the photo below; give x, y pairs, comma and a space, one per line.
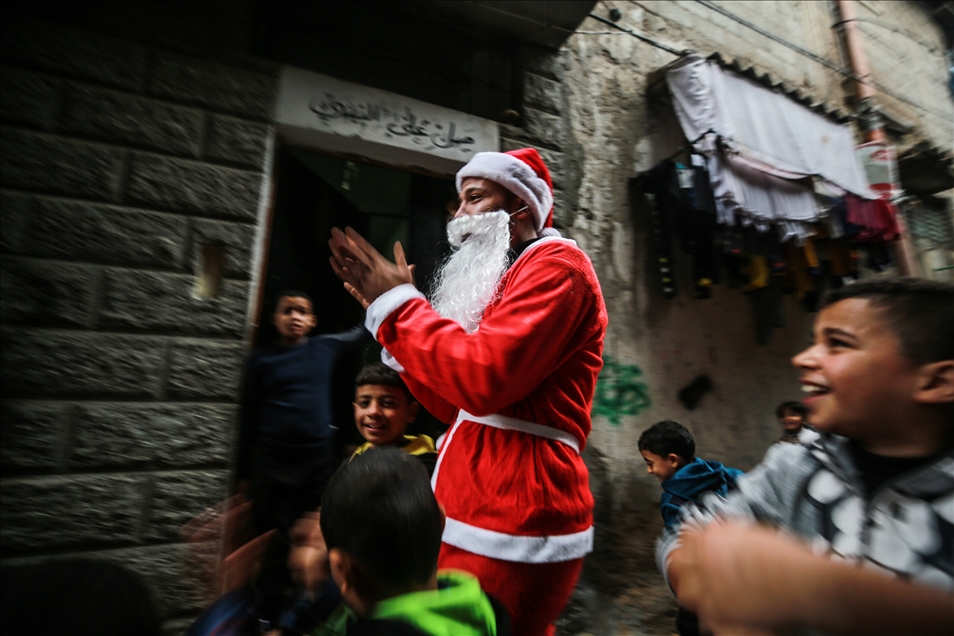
520, 171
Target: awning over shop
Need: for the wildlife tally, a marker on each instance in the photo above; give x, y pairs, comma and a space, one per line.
770, 132
775, 147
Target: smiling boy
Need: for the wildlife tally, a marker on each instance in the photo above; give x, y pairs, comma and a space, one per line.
877, 489
383, 408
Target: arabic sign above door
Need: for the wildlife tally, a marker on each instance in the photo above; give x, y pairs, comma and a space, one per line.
325, 113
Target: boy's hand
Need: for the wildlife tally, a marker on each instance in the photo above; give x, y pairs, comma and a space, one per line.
366, 274
740, 578
308, 556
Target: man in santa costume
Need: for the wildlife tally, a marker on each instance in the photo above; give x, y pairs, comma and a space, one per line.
507, 351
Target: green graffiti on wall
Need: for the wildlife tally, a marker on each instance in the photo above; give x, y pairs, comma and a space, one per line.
619, 392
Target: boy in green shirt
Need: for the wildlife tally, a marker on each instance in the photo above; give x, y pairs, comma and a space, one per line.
381, 527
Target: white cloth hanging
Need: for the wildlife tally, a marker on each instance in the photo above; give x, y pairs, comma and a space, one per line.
775, 147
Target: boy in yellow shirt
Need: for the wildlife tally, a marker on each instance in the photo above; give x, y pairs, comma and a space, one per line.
383, 408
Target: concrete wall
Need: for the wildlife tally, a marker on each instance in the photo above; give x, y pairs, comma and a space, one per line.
120, 161
906, 51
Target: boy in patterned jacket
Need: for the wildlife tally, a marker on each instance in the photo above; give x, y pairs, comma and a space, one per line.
876, 490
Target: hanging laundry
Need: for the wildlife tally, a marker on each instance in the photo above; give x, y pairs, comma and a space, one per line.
758, 273
684, 210
876, 220
800, 277
843, 259
661, 187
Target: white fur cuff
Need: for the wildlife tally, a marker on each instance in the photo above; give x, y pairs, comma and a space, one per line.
386, 303
390, 361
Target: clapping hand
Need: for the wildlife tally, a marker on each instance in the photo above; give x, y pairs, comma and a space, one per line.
365, 272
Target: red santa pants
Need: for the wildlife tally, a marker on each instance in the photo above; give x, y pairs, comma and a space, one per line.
533, 593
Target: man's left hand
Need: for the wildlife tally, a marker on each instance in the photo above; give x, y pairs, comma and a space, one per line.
365, 272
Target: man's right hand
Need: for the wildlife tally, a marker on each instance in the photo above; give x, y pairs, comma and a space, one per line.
365, 272
308, 556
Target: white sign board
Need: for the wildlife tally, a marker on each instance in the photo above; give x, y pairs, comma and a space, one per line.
328, 114
881, 167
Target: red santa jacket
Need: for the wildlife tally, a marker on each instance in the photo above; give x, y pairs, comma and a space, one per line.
519, 392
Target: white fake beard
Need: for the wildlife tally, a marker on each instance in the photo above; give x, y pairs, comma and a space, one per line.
468, 280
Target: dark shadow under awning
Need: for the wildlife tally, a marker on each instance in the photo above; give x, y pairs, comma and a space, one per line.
925, 169
547, 24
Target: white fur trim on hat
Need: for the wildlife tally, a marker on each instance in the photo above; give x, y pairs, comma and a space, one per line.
516, 176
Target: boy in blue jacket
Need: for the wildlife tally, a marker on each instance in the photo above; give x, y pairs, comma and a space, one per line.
670, 454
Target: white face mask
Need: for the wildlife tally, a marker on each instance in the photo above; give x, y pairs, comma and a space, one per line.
468, 280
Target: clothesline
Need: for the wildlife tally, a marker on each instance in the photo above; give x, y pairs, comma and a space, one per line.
691, 145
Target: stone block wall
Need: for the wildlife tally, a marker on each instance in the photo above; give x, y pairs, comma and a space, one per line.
120, 160
544, 126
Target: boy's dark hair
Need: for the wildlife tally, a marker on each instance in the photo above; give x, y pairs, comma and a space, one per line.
292, 293
795, 407
663, 438
380, 373
380, 509
63, 597
920, 312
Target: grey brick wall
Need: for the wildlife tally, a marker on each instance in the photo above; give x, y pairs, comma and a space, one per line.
546, 127
118, 161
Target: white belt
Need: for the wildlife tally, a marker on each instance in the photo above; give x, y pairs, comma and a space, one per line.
513, 424
500, 545
522, 549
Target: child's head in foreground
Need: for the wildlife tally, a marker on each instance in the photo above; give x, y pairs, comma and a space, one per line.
382, 526
666, 446
880, 369
383, 407
791, 415
294, 316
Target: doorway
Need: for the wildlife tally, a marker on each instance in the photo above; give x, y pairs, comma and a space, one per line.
315, 192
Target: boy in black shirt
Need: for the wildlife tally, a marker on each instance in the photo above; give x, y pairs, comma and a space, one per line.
287, 449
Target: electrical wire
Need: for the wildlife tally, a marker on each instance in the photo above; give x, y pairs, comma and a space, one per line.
659, 45
927, 45
642, 38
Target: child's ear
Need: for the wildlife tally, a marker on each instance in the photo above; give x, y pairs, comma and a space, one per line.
412, 410
340, 565
674, 459
346, 575
936, 383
